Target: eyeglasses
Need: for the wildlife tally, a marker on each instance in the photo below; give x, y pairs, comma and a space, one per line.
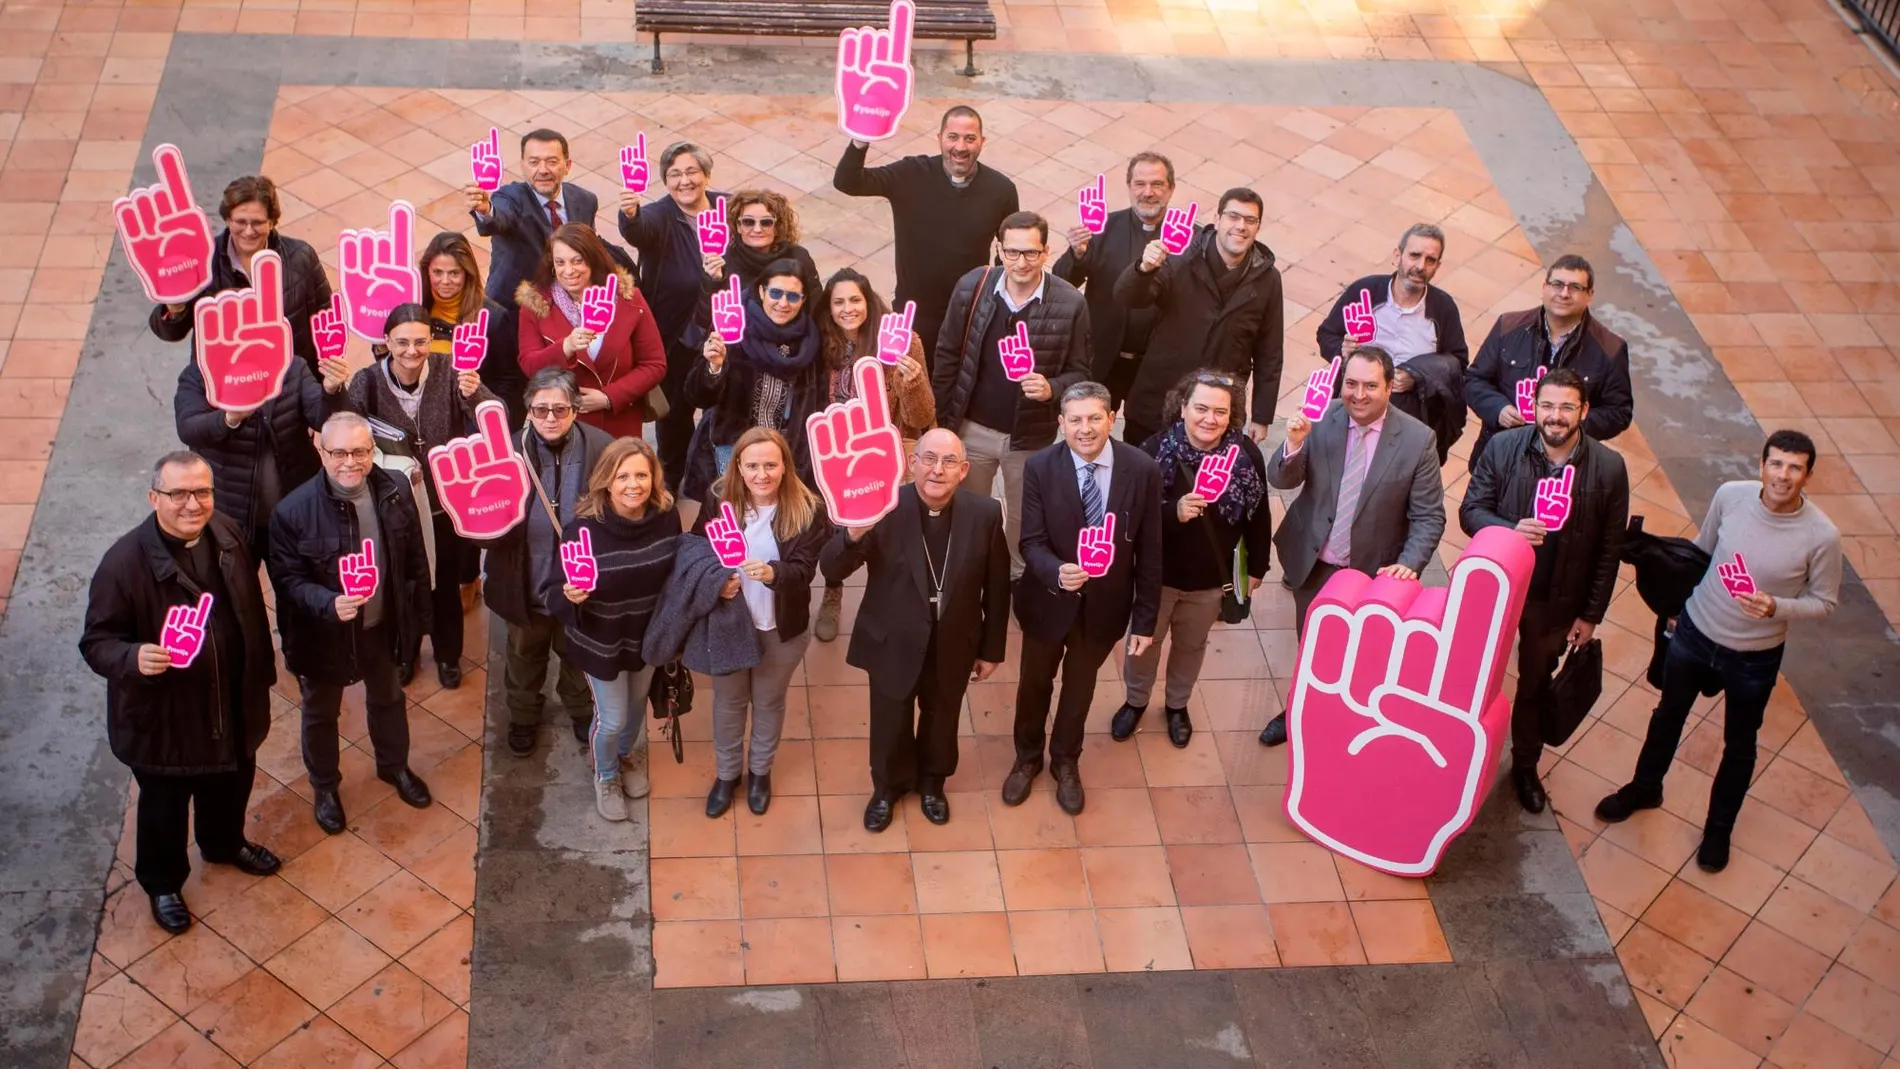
1236, 217
933, 462
786, 296
179, 497
248, 224
1017, 256
752, 223
341, 455
551, 411
1567, 287
406, 344
1548, 407
691, 172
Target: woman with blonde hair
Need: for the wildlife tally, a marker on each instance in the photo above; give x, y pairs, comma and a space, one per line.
626, 523
782, 525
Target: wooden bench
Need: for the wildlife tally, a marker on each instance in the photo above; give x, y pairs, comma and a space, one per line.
937, 20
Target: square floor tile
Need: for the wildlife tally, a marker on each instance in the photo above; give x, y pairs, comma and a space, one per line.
1118, 817
695, 888
1219, 875
442, 960
1230, 937
391, 1010
697, 954
327, 963
1315, 933
1055, 941
1128, 876
788, 886
968, 829
789, 826
968, 944
251, 1016
399, 913
868, 884
1042, 879
1296, 872
957, 881
116, 1018
1395, 933
322, 1042
1143, 940
267, 918
878, 948
1196, 815
190, 968
790, 950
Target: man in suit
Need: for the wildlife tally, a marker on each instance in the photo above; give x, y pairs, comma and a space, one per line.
1372, 499
935, 616
1095, 261
1070, 620
518, 217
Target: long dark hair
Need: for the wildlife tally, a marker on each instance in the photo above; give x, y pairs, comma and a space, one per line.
456, 247
833, 335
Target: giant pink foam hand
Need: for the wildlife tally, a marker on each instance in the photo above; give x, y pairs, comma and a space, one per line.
577, 562
634, 169
481, 482
184, 632
1018, 358
1319, 391
1527, 395
726, 536
379, 270
1095, 547
329, 329
875, 76
1735, 577
1216, 470
1552, 507
1091, 203
1361, 327
597, 307
484, 162
711, 227
167, 237
1177, 228
243, 339
894, 332
1396, 719
857, 456
468, 343
728, 313
357, 571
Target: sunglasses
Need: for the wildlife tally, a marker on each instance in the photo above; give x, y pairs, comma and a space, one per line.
773, 293
748, 223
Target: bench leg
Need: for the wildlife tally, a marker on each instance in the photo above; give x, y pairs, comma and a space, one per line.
658, 66
969, 59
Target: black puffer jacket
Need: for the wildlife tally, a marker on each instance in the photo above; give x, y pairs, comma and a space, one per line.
1058, 332
176, 722
1519, 343
306, 292
308, 532
278, 433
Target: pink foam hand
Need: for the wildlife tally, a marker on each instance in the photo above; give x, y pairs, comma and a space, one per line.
184, 632
484, 162
481, 482
1527, 395
711, 227
166, 236
726, 536
1216, 471
875, 77
1319, 391
857, 456
1177, 228
577, 562
597, 307
330, 330
243, 339
1735, 577
1091, 203
1095, 547
357, 571
1017, 356
634, 169
1553, 499
894, 334
1397, 719
379, 270
468, 344
1360, 325
728, 313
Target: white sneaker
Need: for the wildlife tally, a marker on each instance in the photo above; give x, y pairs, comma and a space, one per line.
633, 774
608, 801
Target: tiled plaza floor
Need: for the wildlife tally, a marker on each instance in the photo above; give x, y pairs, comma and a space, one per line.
1751, 148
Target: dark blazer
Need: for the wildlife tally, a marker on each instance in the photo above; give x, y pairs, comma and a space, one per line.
517, 230
1519, 343
1109, 254
791, 572
1125, 601
1401, 512
891, 637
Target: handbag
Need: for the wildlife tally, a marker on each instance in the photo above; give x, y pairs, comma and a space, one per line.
1572, 694
671, 693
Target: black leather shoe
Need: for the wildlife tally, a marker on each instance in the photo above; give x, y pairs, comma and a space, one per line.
583, 728
758, 792
1530, 791
521, 739
1625, 803
1274, 734
1016, 787
719, 799
409, 788
1179, 730
936, 807
330, 812
1125, 720
1712, 855
254, 860
170, 913
406, 673
877, 813
448, 674
1068, 788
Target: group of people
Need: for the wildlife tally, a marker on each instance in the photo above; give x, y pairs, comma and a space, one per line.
1015, 366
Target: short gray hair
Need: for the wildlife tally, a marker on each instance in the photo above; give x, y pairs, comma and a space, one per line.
1086, 391
685, 148
1423, 230
177, 458
344, 420
553, 378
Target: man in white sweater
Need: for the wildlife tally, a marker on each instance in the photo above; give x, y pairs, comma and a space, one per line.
1774, 558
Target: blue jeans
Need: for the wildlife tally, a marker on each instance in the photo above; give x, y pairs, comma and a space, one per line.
620, 722
1697, 663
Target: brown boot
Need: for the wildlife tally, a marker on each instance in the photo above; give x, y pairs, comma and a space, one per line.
826, 627
1068, 788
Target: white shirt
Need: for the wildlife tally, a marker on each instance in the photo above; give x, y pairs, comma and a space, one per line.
1002, 290
1104, 467
1404, 332
760, 545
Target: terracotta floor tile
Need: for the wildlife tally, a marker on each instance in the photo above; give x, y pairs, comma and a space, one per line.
1230, 937
789, 826
1661, 967
1801, 794
1658, 837
1262, 812
450, 868
1195, 815
1695, 919
116, 1018
334, 872
1164, 766
842, 818
443, 959
680, 828
443, 1047
869, 884
1362, 884
1315, 933
251, 1016
1117, 817
1874, 952
1847, 874
842, 767
1776, 962
1128, 876
266, 919
177, 1047
399, 913
788, 886
391, 1010
1811, 1043
1042, 879
792, 950
689, 780
957, 882
878, 948
127, 931
1295, 872
1688, 1042
1400, 932
695, 888
328, 963
1745, 884
1055, 941
1220, 875
1038, 823
1741, 1011
188, 969
1143, 940
1858, 1006
968, 944
1810, 916
404, 834
968, 829
323, 1042
697, 954
1620, 878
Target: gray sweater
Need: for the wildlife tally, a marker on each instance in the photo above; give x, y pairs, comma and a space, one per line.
1795, 557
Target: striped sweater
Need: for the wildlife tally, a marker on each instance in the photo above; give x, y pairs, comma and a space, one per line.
633, 559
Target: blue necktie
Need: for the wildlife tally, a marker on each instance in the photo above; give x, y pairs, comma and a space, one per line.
1091, 495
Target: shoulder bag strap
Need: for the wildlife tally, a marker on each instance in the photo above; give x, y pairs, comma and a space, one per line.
541, 494
982, 287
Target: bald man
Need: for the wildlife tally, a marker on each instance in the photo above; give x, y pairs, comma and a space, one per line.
934, 618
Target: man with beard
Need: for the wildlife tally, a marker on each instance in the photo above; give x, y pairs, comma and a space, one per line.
1120, 334
935, 618
1569, 496
1419, 325
944, 209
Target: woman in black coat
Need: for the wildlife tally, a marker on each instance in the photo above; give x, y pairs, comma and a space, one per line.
764, 230
258, 456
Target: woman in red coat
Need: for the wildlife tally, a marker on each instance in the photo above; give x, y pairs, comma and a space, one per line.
616, 368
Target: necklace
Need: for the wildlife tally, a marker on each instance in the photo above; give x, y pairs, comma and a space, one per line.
937, 575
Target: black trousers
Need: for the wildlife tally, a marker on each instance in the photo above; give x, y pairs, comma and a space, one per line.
445, 635
1540, 645
1079, 658
914, 738
385, 705
165, 802
675, 432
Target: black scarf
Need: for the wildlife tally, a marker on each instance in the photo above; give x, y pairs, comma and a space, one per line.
1244, 486
781, 352
750, 263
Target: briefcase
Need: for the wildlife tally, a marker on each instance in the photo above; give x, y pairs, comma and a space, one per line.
1578, 685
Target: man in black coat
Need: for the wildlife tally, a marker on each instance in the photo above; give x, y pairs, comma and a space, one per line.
935, 617
1119, 333
1220, 306
189, 731
1420, 326
256, 456
1516, 484
1560, 333
1070, 620
333, 639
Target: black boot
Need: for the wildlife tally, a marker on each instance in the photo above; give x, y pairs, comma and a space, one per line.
719, 799
758, 792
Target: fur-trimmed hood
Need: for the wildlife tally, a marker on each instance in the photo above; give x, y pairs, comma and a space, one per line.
536, 300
